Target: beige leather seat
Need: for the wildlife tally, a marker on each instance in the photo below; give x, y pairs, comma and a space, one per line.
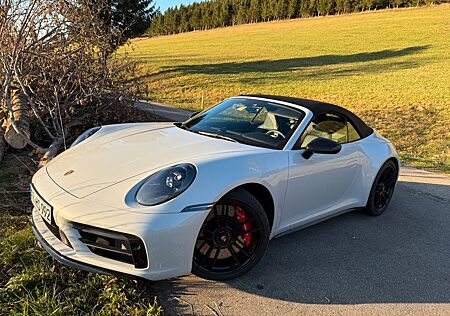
270, 122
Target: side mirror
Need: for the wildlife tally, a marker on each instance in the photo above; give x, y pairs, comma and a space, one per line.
321, 146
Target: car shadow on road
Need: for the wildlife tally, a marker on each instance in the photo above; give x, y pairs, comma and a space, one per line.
402, 256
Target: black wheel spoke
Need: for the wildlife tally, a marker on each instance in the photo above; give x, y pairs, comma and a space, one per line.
241, 249
385, 187
207, 254
233, 254
382, 189
387, 174
207, 231
228, 230
227, 215
216, 255
378, 202
390, 181
382, 200
202, 245
386, 197
390, 177
216, 215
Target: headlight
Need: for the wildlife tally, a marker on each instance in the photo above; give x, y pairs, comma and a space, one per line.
85, 136
166, 184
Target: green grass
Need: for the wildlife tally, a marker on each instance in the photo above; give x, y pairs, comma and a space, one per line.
32, 283
392, 67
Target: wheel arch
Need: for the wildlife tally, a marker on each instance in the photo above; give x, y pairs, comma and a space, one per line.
378, 167
396, 161
264, 197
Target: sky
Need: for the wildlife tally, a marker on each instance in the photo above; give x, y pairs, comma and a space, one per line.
164, 4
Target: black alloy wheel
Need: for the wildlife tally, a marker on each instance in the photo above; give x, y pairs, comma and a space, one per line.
232, 239
382, 189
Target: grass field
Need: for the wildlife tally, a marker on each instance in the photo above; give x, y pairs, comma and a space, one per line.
392, 67
32, 283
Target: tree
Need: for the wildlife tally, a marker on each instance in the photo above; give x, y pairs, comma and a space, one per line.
131, 17
227, 15
266, 11
326, 7
282, 9
273, 9
255, 10
219, 13
293, 9
157, 25
195, 20
242, 11
182, 20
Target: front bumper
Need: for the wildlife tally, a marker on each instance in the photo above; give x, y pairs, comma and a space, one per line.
61, 258
169, 241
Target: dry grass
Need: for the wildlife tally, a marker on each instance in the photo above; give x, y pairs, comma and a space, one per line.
392, 67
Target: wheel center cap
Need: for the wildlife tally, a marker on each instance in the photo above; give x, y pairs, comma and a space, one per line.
223, 237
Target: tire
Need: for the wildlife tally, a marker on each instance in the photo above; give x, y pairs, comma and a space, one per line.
382, 189
233, 238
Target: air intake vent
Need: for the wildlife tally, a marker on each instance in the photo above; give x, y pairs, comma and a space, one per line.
58, 233
113, 245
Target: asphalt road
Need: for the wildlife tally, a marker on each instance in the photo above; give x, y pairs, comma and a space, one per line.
397, 263
165, 112
394, 264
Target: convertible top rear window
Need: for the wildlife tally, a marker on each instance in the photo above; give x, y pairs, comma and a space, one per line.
249, 121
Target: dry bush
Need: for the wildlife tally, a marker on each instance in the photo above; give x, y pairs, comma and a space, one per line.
57, 64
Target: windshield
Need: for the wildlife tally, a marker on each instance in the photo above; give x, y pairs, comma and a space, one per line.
248, 121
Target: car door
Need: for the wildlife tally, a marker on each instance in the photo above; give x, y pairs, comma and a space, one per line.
324, 183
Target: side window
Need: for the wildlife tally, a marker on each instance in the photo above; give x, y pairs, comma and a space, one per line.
329, 126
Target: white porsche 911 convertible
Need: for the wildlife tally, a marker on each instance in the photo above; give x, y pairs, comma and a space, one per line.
159, 200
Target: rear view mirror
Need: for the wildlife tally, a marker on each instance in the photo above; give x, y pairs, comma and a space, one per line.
321, 146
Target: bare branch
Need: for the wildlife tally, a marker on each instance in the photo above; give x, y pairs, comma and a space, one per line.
58, 52
32, 105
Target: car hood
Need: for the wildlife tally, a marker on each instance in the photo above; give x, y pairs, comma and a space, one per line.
117, 153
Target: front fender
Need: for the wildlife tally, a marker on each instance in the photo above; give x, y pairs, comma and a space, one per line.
216, 176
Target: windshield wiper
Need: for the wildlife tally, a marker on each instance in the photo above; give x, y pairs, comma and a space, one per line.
217, 136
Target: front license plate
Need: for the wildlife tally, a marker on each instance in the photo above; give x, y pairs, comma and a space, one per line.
42, 207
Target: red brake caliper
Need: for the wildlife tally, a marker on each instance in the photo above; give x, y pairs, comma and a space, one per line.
242, 218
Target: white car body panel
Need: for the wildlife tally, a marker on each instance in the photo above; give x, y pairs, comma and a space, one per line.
108, 168
320, 183
100, 163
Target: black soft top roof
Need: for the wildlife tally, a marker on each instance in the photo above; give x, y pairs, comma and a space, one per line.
318, 108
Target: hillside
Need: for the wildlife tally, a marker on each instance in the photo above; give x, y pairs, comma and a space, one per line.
392, 67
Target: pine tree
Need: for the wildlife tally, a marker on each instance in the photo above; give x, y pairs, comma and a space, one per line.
216, 13
255, 11
133, 17
266, 13
293, 9
282, 9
